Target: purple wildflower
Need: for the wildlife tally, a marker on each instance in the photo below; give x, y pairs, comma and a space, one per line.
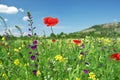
30, 52
32, 57
29, 34
35, 42
29, 29
82, 53
86, 71
86, 63
34, 72
83, 46
7, 37
29, 46
35, 34
33, 47
36, 65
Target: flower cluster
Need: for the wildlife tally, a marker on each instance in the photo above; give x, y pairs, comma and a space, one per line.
59, 58
33, 47
105, 41
31, 29
115, 56
92, 76
16, 62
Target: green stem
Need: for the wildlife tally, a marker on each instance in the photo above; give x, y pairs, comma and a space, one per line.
51, 29
31, 28
5, 25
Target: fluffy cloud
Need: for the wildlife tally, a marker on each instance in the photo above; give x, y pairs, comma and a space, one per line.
8, 9
6, 19
25, 18
21, 10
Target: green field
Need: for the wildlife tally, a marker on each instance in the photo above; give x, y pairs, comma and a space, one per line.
61, 59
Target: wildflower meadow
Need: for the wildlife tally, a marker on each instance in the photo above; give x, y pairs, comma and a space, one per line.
40, 58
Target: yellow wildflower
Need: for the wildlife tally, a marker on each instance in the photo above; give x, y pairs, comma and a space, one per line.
94, 79
3, 39
107, 41
4, 75
16, 62
66, 79
8, 53
92, 75
77, 78
26, 64
16, 50
23, 45
102, 38
19, 48
59, 58
80, 56
38, 73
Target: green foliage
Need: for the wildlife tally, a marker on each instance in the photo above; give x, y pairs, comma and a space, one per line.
104, 30
20, 30
52, 35
71, 67
5, 25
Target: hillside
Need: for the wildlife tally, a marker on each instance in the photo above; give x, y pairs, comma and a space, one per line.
102, 30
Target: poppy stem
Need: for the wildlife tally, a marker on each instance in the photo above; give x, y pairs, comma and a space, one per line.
51, 29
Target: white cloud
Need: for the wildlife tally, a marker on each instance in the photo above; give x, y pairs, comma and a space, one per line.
6, 19
2, 32
8, 9
16, 34
25, 18
21, 10
12, 28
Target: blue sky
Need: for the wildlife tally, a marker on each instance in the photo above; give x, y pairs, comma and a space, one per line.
73, 15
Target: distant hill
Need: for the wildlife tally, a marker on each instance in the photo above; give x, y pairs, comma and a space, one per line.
102, 30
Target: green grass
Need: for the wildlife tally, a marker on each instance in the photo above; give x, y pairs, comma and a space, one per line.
96, 53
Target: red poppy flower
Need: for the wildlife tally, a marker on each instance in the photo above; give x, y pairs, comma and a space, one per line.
49, 21
77, 41
53, 40
115, 56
